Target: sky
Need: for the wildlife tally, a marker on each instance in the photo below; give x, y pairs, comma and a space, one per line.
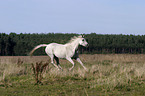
73, 16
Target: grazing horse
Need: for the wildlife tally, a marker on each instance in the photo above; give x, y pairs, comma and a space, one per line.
67, 51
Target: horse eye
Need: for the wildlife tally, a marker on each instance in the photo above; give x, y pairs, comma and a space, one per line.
83, 40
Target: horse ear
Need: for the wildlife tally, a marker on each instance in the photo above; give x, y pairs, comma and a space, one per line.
81, 36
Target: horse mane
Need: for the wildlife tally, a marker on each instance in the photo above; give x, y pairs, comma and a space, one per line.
74, 38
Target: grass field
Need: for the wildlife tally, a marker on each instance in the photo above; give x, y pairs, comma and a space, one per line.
107, 75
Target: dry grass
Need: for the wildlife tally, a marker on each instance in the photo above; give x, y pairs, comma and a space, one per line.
38, 69
106, 72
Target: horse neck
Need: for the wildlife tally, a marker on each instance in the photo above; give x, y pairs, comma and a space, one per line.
74, 45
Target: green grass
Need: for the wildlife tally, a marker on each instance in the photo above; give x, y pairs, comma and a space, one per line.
108, 75
73, 86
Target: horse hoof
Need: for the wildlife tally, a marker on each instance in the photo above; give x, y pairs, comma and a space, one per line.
70, 69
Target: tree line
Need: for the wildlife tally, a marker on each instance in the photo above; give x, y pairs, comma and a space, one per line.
21, 44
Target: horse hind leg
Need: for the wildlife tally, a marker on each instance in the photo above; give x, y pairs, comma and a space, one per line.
52, 61
57, 61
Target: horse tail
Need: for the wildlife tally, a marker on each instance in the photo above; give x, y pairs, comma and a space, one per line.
41, 45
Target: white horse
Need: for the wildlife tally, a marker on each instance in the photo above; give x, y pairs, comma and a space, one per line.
68, 51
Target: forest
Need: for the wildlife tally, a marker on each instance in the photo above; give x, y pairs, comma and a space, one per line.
21, 44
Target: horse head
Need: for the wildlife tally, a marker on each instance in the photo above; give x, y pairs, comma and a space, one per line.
83, 41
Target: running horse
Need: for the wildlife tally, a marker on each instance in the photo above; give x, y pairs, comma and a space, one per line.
67, 51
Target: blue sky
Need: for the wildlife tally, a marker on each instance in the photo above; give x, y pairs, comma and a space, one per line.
73, 16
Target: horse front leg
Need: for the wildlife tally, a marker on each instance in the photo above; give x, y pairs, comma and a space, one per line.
71, 61
78, 59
